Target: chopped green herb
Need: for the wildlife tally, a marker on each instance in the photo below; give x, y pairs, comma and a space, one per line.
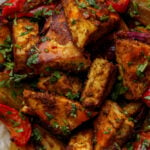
9, 112
81, 4
55, 125
33, 59
9, 65
111, 9
55, 77
130, 63
49, 116
147, 97
73, 112
73, 22
89, 114
140, 69
108, 131
72, 96
133, 12
48, 69
93, 3
22, 116
20, 130
119, 89
17, 77
17, 46
29, 28
36, 134
80, 66
44, 39
104, 18
148, 27
14, 123
24, 33
131, 119
8, 4
145, 144
65, 130
13, 94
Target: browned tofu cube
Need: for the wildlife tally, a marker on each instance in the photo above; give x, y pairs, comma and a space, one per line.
100, 80
133, 59
112, 127
59, 50
61, 84
83, 140
25, 37
57, 112
86, 22
107, 124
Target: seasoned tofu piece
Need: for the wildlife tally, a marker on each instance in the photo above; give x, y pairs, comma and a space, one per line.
57, 112
25, 37
83, 140
106, 125
112, 127
61, 84
100, 80
86, 22
4, 41
133, 59
59, 51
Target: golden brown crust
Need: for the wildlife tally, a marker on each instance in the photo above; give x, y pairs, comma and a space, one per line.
59, 113
83, 140
25, 37
130, 55
107, 124
101, 78
84, 24
60, 52
62, 86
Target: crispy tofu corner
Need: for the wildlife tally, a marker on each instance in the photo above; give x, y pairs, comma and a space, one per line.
59, 113
131, 56
84, 24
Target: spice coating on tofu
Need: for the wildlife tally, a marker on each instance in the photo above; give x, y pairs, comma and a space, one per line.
100, 80
133, 59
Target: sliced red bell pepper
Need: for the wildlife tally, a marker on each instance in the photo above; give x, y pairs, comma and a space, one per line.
17, 124
19, 15
146, 97
119, 5
12, 6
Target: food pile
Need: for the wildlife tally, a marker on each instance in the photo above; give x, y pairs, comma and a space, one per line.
75, 74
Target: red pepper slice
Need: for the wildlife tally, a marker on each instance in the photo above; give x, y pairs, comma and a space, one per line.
119, 5
18, 125
146, 97
19, 15
12, 6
